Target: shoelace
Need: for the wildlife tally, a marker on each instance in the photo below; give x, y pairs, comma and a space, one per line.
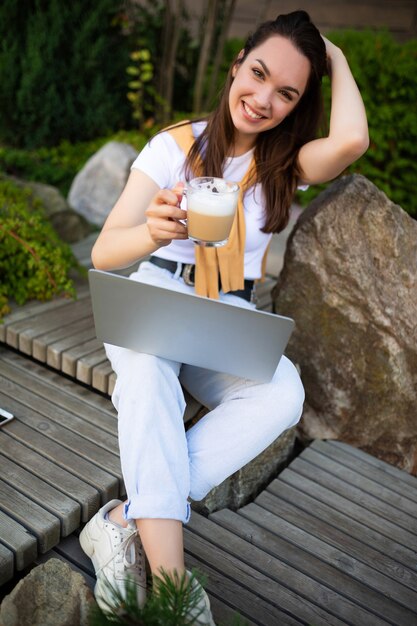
128, 545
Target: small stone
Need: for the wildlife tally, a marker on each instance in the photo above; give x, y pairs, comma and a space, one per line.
52, 594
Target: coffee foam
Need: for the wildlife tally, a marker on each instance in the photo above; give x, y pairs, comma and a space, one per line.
209, 203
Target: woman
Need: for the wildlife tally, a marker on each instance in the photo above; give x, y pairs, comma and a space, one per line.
263, 135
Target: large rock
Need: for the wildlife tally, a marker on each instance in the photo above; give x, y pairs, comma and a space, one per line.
69, 224
350, 282
245, 484
51, 595
98, 185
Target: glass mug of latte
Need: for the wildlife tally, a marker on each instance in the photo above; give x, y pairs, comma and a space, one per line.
211, 208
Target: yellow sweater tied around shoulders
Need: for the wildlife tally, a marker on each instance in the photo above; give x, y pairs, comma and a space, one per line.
226, 262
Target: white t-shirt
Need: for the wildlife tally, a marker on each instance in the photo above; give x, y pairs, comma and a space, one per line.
163, 160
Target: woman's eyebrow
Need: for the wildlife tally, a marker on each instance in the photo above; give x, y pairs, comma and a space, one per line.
268, 73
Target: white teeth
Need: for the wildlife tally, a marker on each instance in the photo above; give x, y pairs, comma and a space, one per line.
251, 114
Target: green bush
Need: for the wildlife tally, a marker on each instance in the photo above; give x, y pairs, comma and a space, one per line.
58, 165
62, 68
34, 262
386, 73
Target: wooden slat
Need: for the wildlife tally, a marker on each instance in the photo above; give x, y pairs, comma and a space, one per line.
40, 493
55, 350
85, 365
68, 483
336, 512
32, 517
100, 376
335, 568
66, 387
383, 468
41, 343
387, 492
330, 528
223, 582
6, 564
15, 537
67, 451
58, 397
34, 309
70, 357
362, 496
273, 579
352, 510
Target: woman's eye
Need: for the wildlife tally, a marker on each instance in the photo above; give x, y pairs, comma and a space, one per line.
257, 72
286, 94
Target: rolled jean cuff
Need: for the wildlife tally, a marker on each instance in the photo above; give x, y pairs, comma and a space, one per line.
150, 507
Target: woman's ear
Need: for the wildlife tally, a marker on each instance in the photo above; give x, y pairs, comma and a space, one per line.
237, 62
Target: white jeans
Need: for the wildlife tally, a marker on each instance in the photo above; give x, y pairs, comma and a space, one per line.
162, 464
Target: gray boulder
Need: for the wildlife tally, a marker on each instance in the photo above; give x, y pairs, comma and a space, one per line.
99, 184
52, 594
350, 282
245, 484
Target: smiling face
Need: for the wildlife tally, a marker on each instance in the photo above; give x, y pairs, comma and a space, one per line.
267, 86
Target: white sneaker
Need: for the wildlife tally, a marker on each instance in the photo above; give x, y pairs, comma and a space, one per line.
117, 555
201, 614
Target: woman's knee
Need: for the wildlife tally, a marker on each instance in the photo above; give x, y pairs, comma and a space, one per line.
287, 391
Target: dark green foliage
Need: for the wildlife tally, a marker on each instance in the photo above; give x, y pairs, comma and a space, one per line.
386, 73
34, 262
62, 69
58, 165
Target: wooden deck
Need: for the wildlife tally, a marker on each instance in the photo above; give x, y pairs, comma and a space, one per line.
332, 540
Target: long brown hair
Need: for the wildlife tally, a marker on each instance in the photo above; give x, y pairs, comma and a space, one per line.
276, 149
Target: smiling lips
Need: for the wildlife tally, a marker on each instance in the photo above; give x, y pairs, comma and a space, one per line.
251, 113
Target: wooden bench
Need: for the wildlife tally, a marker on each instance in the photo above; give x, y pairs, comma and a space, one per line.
332, 540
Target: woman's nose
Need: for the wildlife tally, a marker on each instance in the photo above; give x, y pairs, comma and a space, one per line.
262, 98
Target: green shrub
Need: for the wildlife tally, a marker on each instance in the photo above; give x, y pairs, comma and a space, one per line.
34, 262
386, 73
62, 68
58, 165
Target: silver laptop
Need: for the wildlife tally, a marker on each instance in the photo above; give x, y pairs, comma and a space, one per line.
188, 328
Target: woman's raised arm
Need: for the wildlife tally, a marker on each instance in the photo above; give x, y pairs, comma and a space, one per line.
323, 159
143, 219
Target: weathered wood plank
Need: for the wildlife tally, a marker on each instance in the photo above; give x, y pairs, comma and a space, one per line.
40, 344
34, 309
85, 365
55, 350
329, 479
34, 518
31, 316
40, 493
15, 537
53, 474
59, 397
336, 512
6, 564
112, 383
244, 600
332, 528
350, 509
382, 467
60, 383
53, 321
93, 465
70, 357
323, 605
100, 376
39, 407
385, 492
338, 569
